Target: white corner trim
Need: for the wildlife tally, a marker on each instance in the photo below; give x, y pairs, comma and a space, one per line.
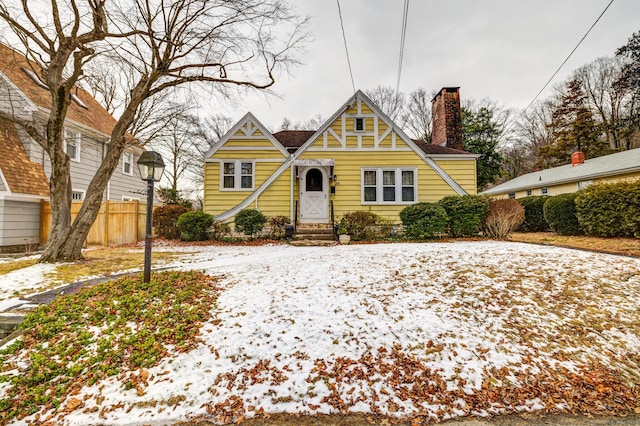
4, 183
23, 197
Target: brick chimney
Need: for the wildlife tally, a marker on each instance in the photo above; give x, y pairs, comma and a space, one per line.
446, 120
577, 158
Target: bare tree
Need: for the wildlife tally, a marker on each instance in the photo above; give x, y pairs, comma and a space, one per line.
218, 43
417, 115
389, 101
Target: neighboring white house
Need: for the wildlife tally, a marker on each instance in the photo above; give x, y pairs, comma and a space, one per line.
24, 166
571, 177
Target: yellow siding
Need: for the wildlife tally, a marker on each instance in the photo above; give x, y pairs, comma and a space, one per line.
249, 155
348, 167
254, 143
463, 172
275, 201
217, 201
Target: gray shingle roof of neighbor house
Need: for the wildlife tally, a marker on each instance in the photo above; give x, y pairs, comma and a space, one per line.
608, 165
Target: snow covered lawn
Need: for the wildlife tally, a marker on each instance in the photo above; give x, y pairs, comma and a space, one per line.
423, 331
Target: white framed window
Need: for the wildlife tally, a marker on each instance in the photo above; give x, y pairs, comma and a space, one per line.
72, 144
237, 175
389, 185
77, 195
127, 163
584, 183
544, 190
512, 195
529, 192
128, 198
358, 124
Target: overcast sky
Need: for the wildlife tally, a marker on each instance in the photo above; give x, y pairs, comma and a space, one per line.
504, 50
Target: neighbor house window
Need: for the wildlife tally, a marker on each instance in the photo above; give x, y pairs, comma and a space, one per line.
583, 184
512, 195
359, 124
388, 186
127, 198
72, 144
238, 175
544, 191
77, 195
529, 192
127, 163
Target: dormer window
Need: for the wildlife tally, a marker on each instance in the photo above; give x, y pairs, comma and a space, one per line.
359, 124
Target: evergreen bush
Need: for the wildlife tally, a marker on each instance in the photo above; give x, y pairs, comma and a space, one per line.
360, 225
165, 220
277, 225
610, 209
504, 217
534, 214
219, 230
424, 220
560, 214
250, 221
466, 214
194, 225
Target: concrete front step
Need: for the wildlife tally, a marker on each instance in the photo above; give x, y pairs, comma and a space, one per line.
308, 243
314, 232
308, 236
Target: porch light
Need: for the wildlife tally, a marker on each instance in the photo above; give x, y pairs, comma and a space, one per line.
151, 167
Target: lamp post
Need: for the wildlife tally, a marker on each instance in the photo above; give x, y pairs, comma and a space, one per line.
151, 167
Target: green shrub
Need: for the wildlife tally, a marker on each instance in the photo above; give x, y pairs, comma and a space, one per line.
424, 220
610, 210
504, 217
278, 225
359, 224
165, 220
466, 214
534, 214
250, 221
560, 214
219, 230
194, 225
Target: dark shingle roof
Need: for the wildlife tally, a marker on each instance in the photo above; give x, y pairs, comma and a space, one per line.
429, 148
293, 138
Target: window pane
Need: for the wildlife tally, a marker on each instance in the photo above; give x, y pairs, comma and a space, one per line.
370, 194
370, 177
229, 168
246, 181
247, 168
229, 182
388, 177
389, 193
407, 177
408, 193
71, 149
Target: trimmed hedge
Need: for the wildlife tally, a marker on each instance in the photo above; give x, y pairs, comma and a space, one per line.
466, 214
560, 214
194, 225
250, 221
360, 225
165, 220
424, 220
504, 217
534, 214
278, 226
610, 209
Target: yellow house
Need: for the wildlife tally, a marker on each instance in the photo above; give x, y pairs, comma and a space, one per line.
572, 177
359, 160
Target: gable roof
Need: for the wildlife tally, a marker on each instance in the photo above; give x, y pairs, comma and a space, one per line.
247, 119
92, 115
22, 175
293, 138
607, 165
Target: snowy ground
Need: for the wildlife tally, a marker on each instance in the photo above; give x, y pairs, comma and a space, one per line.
394, 329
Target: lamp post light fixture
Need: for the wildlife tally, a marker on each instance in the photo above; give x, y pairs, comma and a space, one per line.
151, 167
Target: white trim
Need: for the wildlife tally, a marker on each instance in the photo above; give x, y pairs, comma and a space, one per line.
130, 164
5, 184
237, 175
257, 160
453, 156
78, 143
397, 185
78, 191
248, 118
22, 197
248, 148
360, 149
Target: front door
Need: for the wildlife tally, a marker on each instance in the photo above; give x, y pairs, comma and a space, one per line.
314, 196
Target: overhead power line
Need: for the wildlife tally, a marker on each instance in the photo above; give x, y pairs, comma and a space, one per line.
346, 49
559, 68
405, 14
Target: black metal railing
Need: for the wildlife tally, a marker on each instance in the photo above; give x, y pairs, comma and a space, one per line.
333, 221
295, 217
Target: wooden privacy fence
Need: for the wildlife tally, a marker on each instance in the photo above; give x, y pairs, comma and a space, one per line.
119, 222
